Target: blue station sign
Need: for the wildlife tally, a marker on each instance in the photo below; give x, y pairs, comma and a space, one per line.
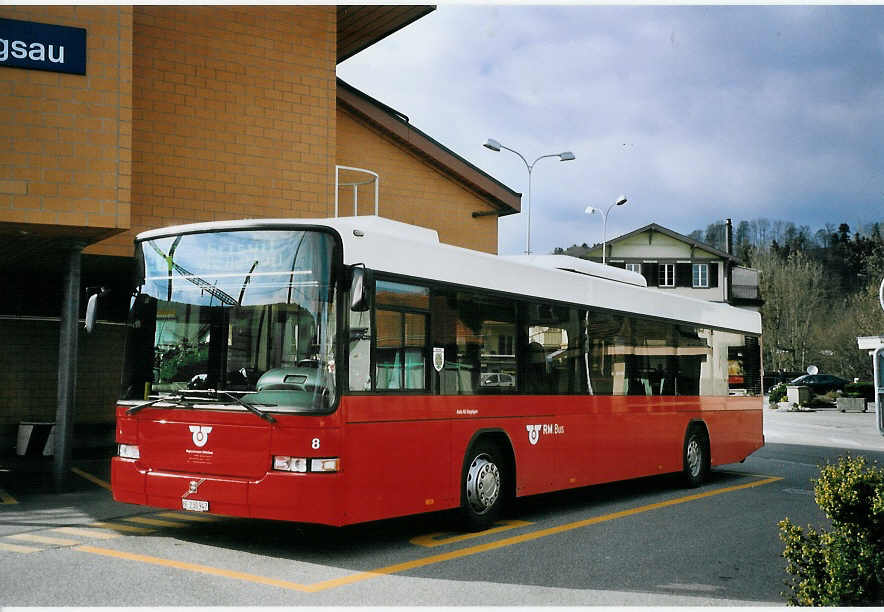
41, 46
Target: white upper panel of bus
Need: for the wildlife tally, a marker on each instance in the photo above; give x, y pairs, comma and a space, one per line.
399, 248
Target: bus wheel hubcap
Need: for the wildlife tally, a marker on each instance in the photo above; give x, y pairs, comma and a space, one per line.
695, 457
483, 484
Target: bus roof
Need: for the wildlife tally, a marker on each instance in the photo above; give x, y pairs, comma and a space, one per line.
399, 248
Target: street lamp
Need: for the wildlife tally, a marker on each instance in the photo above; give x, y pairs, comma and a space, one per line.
563, 156
591, 210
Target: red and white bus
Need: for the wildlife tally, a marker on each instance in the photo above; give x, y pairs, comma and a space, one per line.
345, 370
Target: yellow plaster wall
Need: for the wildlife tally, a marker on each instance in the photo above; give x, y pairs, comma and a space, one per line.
233, 115
66, 139
411, 190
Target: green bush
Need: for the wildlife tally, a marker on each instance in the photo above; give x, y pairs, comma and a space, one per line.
844, 566
860, 389
777, 394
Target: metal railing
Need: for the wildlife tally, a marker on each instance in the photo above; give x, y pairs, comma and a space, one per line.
744, 283
356, 184
746, 292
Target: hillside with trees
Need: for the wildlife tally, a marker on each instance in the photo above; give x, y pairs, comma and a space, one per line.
820, 290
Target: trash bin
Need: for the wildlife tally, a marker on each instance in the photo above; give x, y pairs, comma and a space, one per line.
797, 394
35, 439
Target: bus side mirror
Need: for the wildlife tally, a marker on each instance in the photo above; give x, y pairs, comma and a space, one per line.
359, 283
92, 306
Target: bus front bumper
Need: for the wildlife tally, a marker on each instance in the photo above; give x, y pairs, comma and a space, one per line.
307, 497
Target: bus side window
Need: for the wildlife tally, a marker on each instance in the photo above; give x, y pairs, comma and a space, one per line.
605, 354
400, 353
478, 333
553, 361
401, 336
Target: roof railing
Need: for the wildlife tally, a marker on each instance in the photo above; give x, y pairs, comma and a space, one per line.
355, 185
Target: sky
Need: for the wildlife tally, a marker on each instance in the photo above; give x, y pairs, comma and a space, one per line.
694, 113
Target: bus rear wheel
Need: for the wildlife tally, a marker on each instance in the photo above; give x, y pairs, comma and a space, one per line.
696, 457
484, 482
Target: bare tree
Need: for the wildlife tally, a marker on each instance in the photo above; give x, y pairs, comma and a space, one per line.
795, 295
762, 232
859, 314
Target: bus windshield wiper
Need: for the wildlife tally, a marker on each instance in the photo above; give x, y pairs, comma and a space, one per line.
248, 407
177, 399
183, 398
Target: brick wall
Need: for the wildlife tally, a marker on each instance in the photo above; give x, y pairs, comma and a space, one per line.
29, 371
410, 189
200, 113
186, 114
66, 138
233, 115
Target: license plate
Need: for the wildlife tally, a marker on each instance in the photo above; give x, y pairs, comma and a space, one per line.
195, 505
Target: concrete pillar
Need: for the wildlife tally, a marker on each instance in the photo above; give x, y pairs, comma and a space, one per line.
67, 369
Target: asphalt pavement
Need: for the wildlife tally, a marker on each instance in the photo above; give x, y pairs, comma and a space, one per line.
549, 559
829, 427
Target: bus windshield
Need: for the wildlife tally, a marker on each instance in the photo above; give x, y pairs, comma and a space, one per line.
245, 315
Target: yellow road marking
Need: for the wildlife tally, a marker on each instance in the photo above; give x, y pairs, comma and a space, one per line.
123, 528
152, 521
31, 537
534, 535
417, 563
91, 478
204, 518
18, 549
193, 567
87, 533
6, 498
432, 540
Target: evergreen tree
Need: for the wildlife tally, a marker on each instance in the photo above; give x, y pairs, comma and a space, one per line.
714, 235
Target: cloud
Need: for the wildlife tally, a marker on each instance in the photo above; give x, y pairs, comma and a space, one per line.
697, 113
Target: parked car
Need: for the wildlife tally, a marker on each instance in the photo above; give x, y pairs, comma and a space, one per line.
820, 384
773, 378
495, 379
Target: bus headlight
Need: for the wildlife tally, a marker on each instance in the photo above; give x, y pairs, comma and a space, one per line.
331, 464
282, 463
129, 451
290, 464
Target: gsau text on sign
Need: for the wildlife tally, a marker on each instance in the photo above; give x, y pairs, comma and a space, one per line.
41, 46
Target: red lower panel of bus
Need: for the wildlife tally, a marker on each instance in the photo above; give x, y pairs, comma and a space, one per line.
404, 454
275, 496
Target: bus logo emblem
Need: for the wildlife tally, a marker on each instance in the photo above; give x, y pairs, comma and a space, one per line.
533, 433
438, 358
200, 434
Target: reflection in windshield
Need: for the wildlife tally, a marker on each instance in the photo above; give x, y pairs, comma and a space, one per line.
250, 312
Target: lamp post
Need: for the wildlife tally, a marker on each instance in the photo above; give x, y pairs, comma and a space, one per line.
591, 210
563, 156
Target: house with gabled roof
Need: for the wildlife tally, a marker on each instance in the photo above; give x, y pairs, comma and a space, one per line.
674, 262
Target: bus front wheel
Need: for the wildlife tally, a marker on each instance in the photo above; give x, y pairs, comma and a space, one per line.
696, 457
482, 493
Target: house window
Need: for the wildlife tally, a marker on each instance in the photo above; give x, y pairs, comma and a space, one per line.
634, 267
667, 275
700, 276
